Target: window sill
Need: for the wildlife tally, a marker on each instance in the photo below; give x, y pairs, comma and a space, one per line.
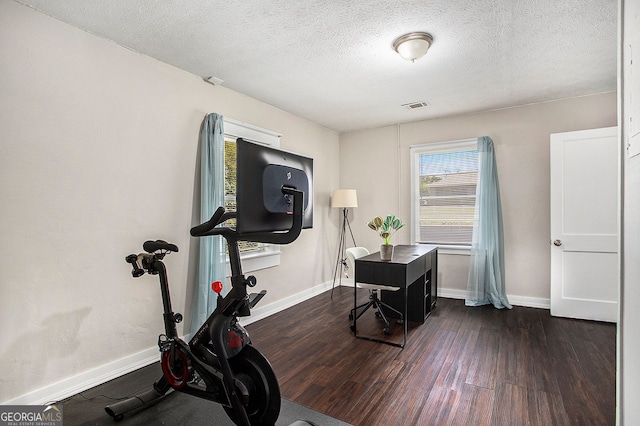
456, 250
256, 261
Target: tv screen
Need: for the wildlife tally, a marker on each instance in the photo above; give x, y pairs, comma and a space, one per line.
262, 172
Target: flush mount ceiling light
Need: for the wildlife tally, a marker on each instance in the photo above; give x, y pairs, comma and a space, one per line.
413, 46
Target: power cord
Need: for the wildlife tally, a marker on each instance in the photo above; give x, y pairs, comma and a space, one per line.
92, 398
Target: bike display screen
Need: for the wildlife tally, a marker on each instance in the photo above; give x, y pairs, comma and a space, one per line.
262, 172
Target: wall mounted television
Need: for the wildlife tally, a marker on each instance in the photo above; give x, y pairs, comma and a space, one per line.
262, 171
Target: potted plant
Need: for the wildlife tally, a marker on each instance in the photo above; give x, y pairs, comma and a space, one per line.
386, 228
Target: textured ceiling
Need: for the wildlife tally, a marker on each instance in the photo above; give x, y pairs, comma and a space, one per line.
331, 61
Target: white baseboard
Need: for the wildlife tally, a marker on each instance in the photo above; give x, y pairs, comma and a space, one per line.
529, 302
102, 374
452, 293
88, 379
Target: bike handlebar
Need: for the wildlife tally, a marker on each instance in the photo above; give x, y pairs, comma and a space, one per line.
219, 216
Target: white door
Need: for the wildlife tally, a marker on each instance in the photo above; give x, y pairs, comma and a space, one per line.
584, 224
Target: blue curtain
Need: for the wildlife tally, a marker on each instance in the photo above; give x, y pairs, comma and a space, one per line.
212, 261
486, 271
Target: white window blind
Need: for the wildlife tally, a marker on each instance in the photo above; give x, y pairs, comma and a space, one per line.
444, 178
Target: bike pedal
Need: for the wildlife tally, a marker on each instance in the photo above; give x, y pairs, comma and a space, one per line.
195, 378
242, 392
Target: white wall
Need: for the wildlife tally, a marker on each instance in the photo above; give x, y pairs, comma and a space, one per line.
376, 163
628, 332
99, 153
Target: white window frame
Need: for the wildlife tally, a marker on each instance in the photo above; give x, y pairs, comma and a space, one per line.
434, 148
270, 256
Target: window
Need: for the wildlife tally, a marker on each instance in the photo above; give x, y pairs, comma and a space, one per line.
254, 255
230, 193
444, 177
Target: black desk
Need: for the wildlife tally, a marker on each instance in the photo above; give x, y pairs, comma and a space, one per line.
413, 268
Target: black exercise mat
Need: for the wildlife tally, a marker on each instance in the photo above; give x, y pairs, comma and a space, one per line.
174, 409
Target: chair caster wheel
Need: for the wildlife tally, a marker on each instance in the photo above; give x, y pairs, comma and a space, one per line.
400, 321
352, 328
350, 316
386, 331
378, 314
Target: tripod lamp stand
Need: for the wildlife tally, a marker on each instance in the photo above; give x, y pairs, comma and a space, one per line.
343, 199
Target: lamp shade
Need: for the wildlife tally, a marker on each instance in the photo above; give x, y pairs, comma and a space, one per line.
344, 198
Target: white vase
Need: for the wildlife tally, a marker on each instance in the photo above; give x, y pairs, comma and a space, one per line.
386, 252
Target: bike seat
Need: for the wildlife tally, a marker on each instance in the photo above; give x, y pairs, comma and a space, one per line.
153, 246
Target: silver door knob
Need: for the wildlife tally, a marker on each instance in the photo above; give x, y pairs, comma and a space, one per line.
557, 243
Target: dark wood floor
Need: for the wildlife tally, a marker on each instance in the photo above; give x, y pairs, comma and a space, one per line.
464, 366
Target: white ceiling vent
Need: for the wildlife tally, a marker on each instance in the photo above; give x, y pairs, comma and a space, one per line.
415, 105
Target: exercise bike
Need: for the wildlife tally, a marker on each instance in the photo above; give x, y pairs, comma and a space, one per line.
219, 363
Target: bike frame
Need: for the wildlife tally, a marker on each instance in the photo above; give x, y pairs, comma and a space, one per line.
221, 337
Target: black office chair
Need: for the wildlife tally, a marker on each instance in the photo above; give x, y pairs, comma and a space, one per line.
353, 254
